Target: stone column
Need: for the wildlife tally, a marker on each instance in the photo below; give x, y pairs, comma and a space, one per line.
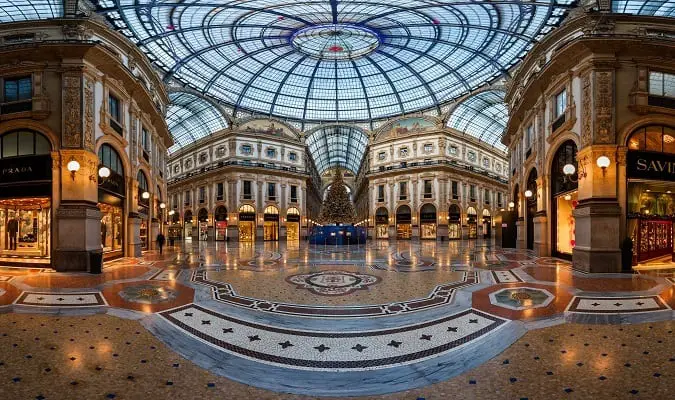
133, 237
598, 214
540, 219
77, 231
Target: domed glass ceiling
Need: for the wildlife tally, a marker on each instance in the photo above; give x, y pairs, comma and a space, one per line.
334, 60
661, 8
337, 146
22, 10
483, 116
190, 117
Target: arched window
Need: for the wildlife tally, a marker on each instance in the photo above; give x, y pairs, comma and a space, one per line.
221, 213
246, 209
188, 216
203, 215
271, 210
471, 211
655, 138
108, 157
428, 213
566, 154
23, 143
292, 211
142, 188
454, 213
532, 186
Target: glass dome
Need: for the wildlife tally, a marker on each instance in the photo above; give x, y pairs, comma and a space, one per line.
23, 10
191, 117
483, 116
660, 8
334, 60
337, 146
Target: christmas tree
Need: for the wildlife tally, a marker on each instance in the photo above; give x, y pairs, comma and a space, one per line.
337, 208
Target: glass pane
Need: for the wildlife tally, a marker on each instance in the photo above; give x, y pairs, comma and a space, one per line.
25, 89
9, 144
669, 85
42, 145
656, 83
654, 140
669, 140
26, 143
637, 140
11, 90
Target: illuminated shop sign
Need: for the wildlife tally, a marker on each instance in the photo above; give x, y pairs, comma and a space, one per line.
25, 169
649, 165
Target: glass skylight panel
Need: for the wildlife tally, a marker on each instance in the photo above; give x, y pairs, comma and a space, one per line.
244, 53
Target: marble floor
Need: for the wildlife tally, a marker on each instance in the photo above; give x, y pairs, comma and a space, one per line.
399, 320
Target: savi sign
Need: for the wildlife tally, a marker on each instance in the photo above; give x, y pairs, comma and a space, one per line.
649, 165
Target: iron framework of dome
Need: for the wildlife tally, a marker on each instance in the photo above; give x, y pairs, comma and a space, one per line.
337, 146
24, 10
659, 8
483, 116
190, 118
337, 60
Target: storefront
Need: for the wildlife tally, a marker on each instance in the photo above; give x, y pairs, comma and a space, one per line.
246, 223
454, 222
487, 224
472, 222
187, 225
650, 171
144, 209
203, 219
292, 224
428, 222
175, 229
220, 217
403, 223
564, 185
381, 223
25, 197
111, 197
271, 224
531, 203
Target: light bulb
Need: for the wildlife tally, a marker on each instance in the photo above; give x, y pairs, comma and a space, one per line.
603, 162
104, 172
568, 197
73, 165
569, 169
511, 204
528, 193
145, 195
162, 205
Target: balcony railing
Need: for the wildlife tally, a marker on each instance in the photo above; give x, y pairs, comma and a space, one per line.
660, 101
245, 163
16, 106
452, 163
558, 123
116, 127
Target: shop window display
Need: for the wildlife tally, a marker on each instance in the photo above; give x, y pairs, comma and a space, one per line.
25, 227
428, 222
292, 224
111, 227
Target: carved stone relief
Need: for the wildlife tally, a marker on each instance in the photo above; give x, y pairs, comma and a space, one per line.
586, 111
72, 110
89, 114
604, 105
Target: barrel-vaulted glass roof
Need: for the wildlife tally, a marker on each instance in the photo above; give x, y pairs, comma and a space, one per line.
483, 116
23, 10
660, 8
337, 146
191, 117
334, 60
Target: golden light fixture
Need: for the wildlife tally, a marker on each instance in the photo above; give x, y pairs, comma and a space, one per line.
603, 162
104, 172
511, 204
145, 195
162, 206
73, 166
528, 193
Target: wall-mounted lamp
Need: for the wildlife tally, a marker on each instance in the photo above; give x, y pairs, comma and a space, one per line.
145, 195
73, 166
104, 172
511, 204
528, 193
162, 206
171, 212
603, 162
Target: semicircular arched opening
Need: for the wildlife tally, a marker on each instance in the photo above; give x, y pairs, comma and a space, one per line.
337, 146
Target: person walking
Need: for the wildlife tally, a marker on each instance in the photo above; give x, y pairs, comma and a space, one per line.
160, 241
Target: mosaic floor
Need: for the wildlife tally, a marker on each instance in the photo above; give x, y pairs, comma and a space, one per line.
395, 320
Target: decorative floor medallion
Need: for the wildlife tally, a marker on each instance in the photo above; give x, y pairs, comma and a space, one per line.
521, 298
333, 283
148, 294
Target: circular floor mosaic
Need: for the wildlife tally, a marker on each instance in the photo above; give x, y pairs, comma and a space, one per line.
333, 283
148, 294
521, 298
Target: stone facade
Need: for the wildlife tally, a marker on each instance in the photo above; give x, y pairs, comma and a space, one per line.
72, 66
602, 62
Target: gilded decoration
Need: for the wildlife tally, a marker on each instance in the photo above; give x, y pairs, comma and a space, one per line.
603, 107
586, 111
89, 115
72, 110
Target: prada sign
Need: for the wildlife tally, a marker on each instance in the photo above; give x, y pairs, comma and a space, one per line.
25, 169
649, 165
